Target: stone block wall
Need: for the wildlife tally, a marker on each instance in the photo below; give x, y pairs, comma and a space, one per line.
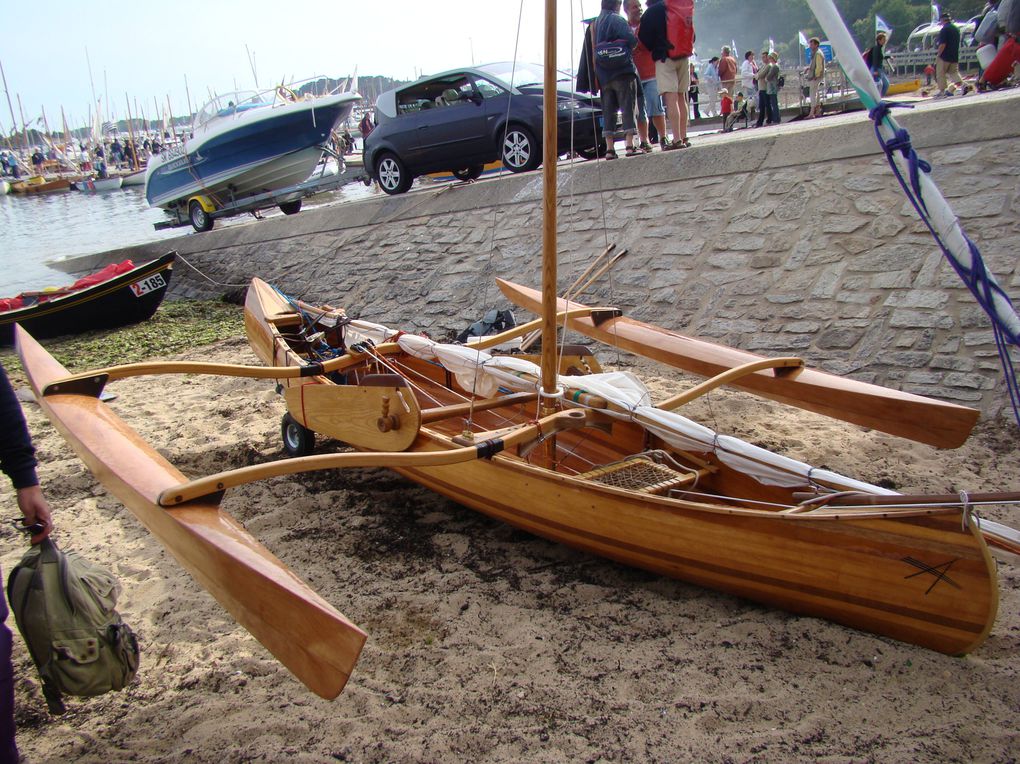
796, 241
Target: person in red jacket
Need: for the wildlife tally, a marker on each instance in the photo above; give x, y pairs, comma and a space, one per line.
667, 31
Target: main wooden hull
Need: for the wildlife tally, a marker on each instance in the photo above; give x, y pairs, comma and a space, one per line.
918, 580
300, 628
926, 578
925, 420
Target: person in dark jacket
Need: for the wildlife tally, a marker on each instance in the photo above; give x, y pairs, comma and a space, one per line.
876, 57
17, 460
617, 81
947, 59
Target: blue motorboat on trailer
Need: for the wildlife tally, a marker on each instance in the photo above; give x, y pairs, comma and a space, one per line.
244, 144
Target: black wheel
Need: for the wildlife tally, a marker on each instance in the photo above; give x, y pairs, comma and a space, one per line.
290, 208
298, 440
469, 173
521, 152
200, 219
393, 176
593, 152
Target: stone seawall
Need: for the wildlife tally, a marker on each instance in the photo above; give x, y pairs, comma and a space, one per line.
796, 240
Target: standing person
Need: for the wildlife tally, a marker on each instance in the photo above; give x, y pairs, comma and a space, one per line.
667, 30
947, 59
709, 86
692, 94
728, 70
772, 88
365, 127
875, 57
763, 89
17, 460
12, 165
37, 161
748, 68
814, 73
648, 100
617, 80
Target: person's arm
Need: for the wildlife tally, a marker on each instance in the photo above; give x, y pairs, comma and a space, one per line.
17, 460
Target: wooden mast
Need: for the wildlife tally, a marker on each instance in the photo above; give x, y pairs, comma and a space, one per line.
549, 141
7, 92
131, 135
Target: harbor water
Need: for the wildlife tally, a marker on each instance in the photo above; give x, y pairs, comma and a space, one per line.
40, 228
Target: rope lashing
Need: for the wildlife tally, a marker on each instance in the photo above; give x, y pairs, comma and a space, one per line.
975, 275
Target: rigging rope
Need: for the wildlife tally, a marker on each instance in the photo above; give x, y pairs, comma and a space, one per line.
989, 295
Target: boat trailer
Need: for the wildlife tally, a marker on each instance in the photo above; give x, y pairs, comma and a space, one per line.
200, 211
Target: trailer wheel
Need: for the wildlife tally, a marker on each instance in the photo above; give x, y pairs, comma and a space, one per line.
472, 172
200, 219
298, 440
290, 208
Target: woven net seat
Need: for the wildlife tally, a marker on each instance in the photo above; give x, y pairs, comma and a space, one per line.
641, 474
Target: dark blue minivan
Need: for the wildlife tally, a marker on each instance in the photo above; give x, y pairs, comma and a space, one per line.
462, 119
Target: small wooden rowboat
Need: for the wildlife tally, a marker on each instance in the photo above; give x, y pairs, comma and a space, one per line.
301, 629
126, 298
37, 184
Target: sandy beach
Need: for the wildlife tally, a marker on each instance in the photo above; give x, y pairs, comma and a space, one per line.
487, 644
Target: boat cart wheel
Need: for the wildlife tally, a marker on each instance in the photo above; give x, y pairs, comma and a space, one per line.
298, 440
290, 208
200, 219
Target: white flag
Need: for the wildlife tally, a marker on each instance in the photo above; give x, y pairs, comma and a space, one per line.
935, 14
881, 26
803, 40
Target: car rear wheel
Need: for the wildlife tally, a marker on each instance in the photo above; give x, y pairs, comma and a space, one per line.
393, 176
521, 151
469, 173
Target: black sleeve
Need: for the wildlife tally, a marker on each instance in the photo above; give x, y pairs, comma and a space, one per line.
17, 455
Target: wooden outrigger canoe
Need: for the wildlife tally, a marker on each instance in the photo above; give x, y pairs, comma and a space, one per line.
925, 420
308, 636
922, 575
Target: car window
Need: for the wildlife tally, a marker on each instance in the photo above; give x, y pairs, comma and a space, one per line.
451, 90
488, 89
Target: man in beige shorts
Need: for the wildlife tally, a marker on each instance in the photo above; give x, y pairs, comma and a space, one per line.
673, 76
672, 73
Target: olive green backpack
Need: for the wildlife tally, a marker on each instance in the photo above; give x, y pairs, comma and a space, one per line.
64, 608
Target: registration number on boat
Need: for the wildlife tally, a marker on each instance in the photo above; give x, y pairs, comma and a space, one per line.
146, 285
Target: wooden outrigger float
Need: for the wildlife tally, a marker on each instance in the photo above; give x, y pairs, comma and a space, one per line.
304, 632
925, 420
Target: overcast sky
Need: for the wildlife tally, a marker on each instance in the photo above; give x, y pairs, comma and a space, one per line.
146, 50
